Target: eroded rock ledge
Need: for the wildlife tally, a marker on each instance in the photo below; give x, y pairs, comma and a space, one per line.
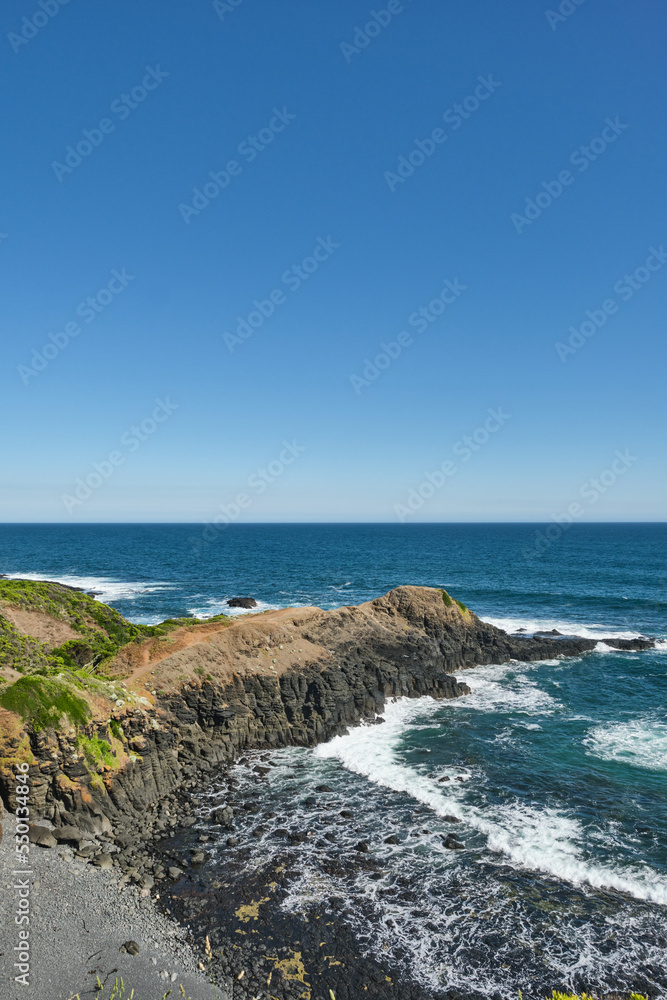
290, 677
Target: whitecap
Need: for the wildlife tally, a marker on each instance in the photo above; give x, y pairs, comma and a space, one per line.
584, 630
545, 839
218, 606
107, 590
641, 743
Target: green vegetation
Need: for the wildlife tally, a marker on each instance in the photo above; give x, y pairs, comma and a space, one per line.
116, 729
103, 630
586, 996
43, 701
96, 751
118, 992
449, 602
21, 651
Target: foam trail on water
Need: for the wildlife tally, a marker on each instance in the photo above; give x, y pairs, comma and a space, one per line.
545, 839
642, 743
213, 606
587, 630
106, 590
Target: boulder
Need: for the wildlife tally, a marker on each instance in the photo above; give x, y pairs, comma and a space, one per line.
68, 834
223, 816
42, 836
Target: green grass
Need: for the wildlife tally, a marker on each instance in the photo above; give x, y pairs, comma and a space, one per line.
96, 751
449, 602
43, 701
116, 729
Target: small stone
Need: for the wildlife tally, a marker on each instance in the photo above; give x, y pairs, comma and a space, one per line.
174, 873
362, 847
103, 861
392, 839
130, 948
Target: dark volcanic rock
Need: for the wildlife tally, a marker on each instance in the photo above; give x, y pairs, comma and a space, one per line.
241, 602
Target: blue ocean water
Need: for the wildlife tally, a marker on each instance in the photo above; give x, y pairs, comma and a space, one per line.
556, 771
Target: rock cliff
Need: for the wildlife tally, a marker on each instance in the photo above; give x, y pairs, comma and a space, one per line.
168, 707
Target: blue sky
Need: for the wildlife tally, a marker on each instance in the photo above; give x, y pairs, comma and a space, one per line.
339, 98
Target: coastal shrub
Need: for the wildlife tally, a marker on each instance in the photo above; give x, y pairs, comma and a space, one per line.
103, 630
21, 651
43, 701
446, 599
461, 606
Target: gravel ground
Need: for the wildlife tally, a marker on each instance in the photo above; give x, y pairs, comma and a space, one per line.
79, 918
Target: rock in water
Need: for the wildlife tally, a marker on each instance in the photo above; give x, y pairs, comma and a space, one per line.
241, 602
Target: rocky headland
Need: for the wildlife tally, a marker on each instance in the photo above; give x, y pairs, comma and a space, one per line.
118, 723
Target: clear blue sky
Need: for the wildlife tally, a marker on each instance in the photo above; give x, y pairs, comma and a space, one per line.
210, 78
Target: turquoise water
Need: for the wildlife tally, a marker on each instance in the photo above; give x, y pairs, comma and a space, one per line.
557, 771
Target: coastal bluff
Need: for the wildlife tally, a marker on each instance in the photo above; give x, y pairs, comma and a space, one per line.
106, 740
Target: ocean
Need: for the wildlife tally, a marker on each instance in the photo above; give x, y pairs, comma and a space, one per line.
555, 771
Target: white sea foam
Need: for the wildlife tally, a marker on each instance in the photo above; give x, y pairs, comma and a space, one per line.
642, 743
218, 606
545, 839
106, 589
587, 630
519, 693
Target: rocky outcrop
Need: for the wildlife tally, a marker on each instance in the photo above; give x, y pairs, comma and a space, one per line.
294, 677
241, 602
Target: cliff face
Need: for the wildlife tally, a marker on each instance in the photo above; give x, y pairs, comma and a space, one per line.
204, 693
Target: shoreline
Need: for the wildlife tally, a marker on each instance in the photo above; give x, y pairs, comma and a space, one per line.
198, 698
79, 918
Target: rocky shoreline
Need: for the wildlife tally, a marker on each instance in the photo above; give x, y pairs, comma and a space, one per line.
290, 678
